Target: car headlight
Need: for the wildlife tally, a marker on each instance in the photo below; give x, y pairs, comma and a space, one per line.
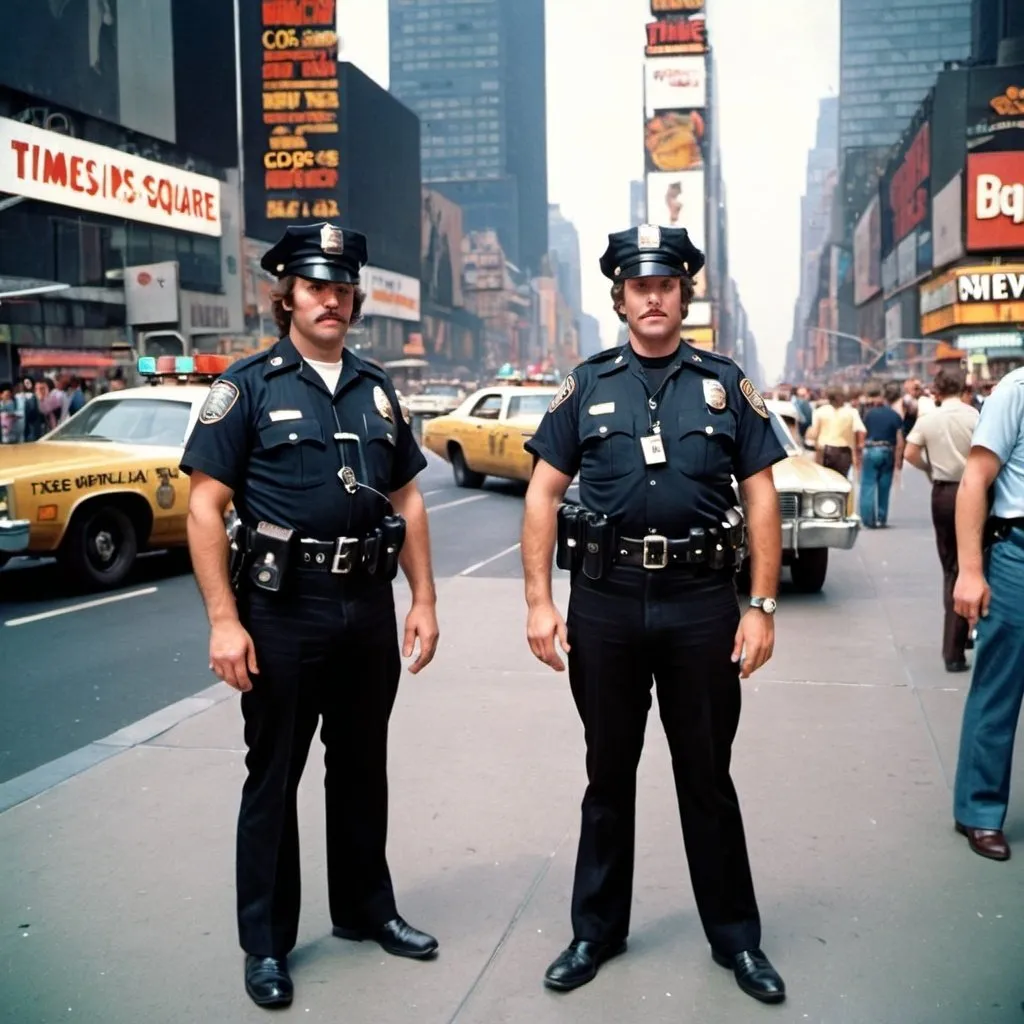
828, 506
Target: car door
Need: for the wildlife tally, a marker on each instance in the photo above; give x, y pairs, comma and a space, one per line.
516, 461
480, 444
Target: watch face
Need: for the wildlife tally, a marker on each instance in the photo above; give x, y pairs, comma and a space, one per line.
769, 605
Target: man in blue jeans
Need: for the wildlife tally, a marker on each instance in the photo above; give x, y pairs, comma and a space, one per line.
883, 454
989, 592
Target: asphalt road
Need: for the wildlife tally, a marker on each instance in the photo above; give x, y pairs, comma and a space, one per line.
74, 677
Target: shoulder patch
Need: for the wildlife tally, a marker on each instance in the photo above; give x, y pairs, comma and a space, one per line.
219, 401
564, 392
753, 396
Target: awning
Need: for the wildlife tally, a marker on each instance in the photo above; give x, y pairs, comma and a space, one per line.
12, 288
44, 358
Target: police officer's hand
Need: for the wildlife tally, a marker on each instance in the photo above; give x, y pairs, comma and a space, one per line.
755, 641
421, 622
971, 596
232, 654
543, 624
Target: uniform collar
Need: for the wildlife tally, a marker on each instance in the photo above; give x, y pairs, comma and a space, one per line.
284, 357
686, 357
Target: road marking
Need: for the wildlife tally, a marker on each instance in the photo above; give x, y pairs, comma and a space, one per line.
460, 501
80, 607
430, 494
487, 561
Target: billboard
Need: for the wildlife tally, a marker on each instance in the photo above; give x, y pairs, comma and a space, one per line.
867, 250
290, 109
905, 192
995, 201
948, 223
110, 59
671, 36
677, 201
976, 296
389, 294
675, 141
151, 294
675, 83
659, 7
995, 110
441, 250
60, 169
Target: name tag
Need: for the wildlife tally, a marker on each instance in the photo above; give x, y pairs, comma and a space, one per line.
602, 409
277, 415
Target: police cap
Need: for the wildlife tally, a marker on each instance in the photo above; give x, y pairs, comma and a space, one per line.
650, 251
319, 252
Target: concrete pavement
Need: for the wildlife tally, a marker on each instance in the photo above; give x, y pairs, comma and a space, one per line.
118, 895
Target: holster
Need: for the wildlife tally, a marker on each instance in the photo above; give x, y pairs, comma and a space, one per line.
270, 556
598, 545
392, 537
567, 549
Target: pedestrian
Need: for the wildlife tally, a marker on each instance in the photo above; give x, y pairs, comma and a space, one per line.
309, 442
837, 432
656, 429
883, 456
989, 593
939, 445
802, 401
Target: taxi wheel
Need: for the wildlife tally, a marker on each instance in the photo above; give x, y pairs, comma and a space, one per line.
809, 569
464, 476
101, 546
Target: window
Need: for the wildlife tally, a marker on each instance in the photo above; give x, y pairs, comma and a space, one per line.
488, 408
153, 421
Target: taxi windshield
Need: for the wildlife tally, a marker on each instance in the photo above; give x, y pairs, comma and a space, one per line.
784, 436
129, 421
528, 405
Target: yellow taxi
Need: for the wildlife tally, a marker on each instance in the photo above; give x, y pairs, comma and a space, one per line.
485, 435
106, 484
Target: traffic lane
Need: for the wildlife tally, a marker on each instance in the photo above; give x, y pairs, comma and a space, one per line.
73, 678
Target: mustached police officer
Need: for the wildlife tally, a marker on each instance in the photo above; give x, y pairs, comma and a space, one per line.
309, 442
656, 430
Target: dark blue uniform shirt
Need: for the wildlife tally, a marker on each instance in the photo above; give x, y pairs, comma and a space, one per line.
596, 430
268, 431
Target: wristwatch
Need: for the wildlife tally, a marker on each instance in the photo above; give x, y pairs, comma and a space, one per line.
766, 604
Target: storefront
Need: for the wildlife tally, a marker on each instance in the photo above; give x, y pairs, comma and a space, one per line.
978, 308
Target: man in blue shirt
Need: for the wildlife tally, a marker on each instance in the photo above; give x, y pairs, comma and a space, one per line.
883, 455
989, 593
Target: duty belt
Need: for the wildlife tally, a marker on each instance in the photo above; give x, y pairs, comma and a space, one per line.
339, 556
657, 552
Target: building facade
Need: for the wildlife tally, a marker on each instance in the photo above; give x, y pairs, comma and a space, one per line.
889, 54
474, 73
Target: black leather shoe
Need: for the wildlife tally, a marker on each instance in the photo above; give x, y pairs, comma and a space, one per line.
957, 666
754, 974
578, 963
396, 937
267, 980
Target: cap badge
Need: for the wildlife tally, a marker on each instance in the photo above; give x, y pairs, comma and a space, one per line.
332, 240
648, 236
380, 400
714, 395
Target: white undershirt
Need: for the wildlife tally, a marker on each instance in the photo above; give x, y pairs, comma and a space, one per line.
330, 372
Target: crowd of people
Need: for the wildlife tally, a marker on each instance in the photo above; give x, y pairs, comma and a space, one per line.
33, 406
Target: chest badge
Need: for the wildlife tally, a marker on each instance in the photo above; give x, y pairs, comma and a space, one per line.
380, 400
714, 395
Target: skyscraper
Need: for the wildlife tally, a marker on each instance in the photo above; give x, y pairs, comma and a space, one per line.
889, 54
474, 73
564, 244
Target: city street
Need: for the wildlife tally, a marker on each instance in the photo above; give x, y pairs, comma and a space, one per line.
118, 896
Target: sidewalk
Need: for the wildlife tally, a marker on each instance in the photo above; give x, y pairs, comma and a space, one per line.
117, 896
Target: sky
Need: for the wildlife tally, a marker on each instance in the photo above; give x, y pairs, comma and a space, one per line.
775, 61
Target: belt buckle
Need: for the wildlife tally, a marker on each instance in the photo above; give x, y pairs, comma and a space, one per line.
344, 548
652, 561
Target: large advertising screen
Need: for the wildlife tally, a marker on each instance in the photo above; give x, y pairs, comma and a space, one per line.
675, 83
290, 111
676, 200
995, 201
671, 36
907, 207
441, 250
948, 223
675, 141
110, 59
867, 243
995, 110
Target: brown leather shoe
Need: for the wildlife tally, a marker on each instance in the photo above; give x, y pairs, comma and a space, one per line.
986, 842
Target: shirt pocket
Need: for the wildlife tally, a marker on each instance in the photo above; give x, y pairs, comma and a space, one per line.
609, 446
293, 452
381, 440
707, 444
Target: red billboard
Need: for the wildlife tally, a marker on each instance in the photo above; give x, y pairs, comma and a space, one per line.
995, 201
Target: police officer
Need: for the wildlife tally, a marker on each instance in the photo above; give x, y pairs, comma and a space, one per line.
656, 429
309, 442
989, 593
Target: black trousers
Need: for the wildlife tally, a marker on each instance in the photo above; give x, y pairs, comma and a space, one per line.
955, 629
325, 650
625, 630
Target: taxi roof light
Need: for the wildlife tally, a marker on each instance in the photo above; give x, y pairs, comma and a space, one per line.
146, 365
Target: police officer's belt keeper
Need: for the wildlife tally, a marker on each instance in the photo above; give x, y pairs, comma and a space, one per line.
657, 552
